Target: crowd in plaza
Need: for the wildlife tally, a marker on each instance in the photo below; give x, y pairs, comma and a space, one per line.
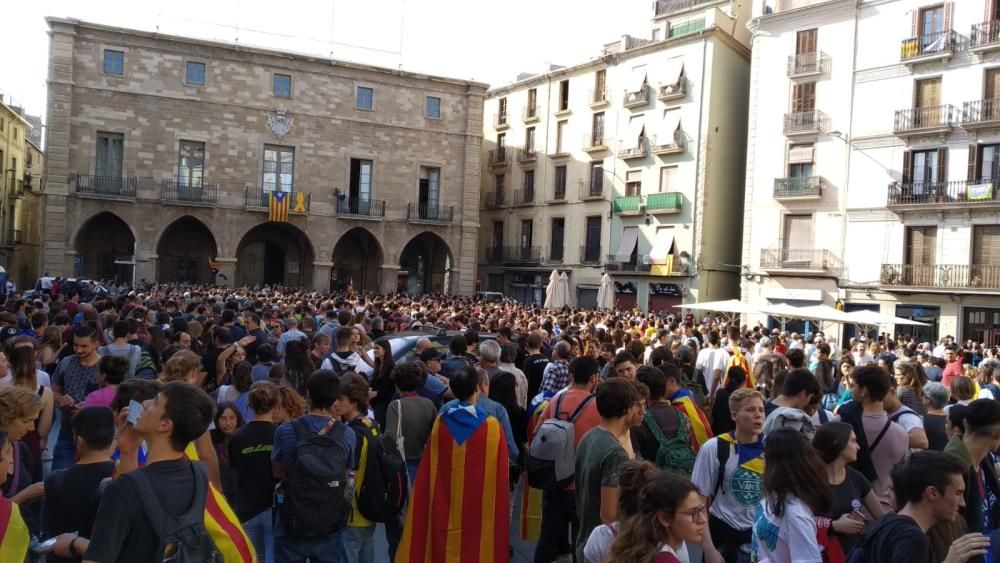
187, 423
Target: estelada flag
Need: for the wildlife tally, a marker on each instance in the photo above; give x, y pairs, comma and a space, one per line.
701, 431
277, 206
14, 536
531, 498
459, 507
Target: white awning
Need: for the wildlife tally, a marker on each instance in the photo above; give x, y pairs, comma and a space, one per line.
630, 238
636, 79
631, 139
661, 245
800, 154
673, 71
668, 127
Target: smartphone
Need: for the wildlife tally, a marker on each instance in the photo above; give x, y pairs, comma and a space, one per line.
134, 412
44, 546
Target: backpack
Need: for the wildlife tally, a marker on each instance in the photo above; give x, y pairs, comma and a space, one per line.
552, 453
861, 552
383, 489
830, 401
673, 454
739, 360
692, 384
336, 365
183, 539
850, 413
314, 500
146, 368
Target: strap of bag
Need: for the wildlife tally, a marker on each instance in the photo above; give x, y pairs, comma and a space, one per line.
16, 479
579, 408
655, 429
162, 522
878, 439
722, 453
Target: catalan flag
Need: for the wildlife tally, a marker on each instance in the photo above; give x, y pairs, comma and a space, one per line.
459, 507
277, 207
701, 431
14, 536
531, 498
751, 456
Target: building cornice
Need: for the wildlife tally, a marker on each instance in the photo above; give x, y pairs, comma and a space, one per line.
830, 6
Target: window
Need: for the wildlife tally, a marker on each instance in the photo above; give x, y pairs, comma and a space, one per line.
279, 168
529, 140
987, 167
432, 107
597, 129
191, 164
931, 24
596, 178
560, 187
497, 241
600, 85
501, 147
282, 85
561, 137
797, 241
923, 169
194, 74
529, 186
499, 183
805, 41
527, 233
800, 161
114, 62
365, 98
563, 95
668, 178
110, 148
804, 97
360, 187
430, 186
633, 183
986, 247
558, 235
592, 238
656, 35
921, 247
501, 111
532, 109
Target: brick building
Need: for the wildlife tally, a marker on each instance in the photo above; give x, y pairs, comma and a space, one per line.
163, 152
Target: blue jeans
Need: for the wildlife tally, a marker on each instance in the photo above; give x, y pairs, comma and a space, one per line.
289, 549
358, 545
64, 453
260, 530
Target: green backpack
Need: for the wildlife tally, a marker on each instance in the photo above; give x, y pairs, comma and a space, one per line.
673, 454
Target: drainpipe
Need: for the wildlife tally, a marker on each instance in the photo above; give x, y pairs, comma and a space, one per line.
697, 164
848, 146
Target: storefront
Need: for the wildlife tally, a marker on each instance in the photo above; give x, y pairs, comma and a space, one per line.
663, 297
981, 324
927, 314
625, 296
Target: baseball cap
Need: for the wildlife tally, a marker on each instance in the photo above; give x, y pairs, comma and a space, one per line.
765, 341
428, 355
8, 332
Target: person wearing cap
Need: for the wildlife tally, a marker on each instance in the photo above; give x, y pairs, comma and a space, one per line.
434, 388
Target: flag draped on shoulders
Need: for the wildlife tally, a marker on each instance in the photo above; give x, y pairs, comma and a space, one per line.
223, 525
701, 431
750, 456
14, 536
459, 506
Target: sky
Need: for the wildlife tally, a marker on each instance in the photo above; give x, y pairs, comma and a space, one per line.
467, 39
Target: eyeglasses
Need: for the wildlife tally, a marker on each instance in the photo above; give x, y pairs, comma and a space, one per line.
695, 514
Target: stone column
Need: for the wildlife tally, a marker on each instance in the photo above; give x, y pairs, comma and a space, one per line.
321, 276
56, 233
454, 279
642, 295
227, 267
146, 267
390, 273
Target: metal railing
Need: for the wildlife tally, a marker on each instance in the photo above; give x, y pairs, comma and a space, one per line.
939, 42
361, 207
595, 140
667, 143
806, 63
638, 151
494, 200
527, 155
637, 265
593, 189
258, 198
986, 33
943, 276
499, 157
803, 122
559, 193
638, 98
675, 90
981, 111
599, 96
430, 213
500, 119
664, 7
172, 191
810, 186
934, 193
493, 254
800, 259
930, 117
524, 197
626, 204
530, 113
666, 201
590, 254
522, 254
686, 28
113, 186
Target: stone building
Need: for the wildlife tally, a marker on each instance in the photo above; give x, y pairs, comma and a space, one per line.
164, 153
20, 195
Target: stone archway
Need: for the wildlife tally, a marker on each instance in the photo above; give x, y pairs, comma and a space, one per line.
357, 260
425, 265
184, 252
274, 253
101, 241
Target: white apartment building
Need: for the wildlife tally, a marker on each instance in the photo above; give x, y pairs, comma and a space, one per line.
631, 163
888, 201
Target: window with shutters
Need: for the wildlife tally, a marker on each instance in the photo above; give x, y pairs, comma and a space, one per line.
501, 111
527, 233
986, 245
633, 183
923, 174
600, 85
800, 161
560, 183
529, 140
558, 234
797, 239
984, 163
931, 22
805, 41
927, 102
497, 241
990, 106
597, 129
804, 97
668, 178
563, 95
921, 254
532, 109
592, 238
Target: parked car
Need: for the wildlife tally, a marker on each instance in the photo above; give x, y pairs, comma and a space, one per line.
403, 343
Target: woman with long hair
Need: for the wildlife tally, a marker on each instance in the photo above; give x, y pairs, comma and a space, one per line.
796, 491
48, 350
910, 387
25, 374
292, 405
382, 383
227, 421
671, 514
503, 390
239, 392
632, 477
963, 391
852, 492
829, 383
722, 417
298, 365
846, 369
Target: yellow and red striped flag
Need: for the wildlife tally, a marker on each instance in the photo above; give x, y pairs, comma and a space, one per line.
277, 206
531, 498
13, 533
701, 430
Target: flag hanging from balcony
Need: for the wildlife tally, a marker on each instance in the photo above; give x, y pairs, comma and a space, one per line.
277, 206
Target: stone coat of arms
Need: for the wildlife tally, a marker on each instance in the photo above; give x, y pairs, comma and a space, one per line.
279, 123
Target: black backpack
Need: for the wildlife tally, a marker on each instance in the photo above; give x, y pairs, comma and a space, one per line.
383, 488
314, 500
183, 539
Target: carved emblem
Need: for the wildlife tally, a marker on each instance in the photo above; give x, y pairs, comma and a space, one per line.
279, 123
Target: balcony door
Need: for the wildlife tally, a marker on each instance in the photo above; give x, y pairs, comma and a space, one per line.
797, 241
987, 167
558, 236
931, 25
805, 41
597, 129
985, 256
592, 238
926, 102
496, 244
921, 256
527, 235
923, 174
190, 164
429, 191
804, 97
279, 168
109, 155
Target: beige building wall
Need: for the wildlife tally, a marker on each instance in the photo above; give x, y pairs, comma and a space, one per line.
18, 203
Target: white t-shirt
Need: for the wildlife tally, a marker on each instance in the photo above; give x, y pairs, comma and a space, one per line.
352, 362
598, 545
789, 538
681, 554
711, 359
909, 420
741, 492
43, 379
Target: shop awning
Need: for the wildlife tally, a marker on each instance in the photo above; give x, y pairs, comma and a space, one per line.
673, 71
800, 154
661, 245
630, 238
636, 79
635, 127
668, 127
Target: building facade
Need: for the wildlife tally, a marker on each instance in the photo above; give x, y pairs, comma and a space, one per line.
20, 199
877, 187
164, 155
631, 163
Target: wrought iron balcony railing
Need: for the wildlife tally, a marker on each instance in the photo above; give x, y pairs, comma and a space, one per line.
812, 259
429, 213
792, 188
172, 191
941, 276
106, 186
935, 44
980, 191
917, 120
361, 207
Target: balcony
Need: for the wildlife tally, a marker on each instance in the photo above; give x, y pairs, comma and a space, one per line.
928, 47
804, 261
599, 98
667, 145
664, 203
501, 121
639, 264
936, 194
806, 65
595, 142
980, 114
924, 121
424, 213
804, 123
985, 36
27, 181
527, 155
558, 195
258, 199
361, 208
627, 205
675, 91
665, 7
530, 114
592, 190
633, 153
492, 255
18, 189
636, 99
499, 158
810, 187
494, 200
522, 255
178, 193
941, 276
590, 254
111, 187
525, 197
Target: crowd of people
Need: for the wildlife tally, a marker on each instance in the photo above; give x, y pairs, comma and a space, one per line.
188, 423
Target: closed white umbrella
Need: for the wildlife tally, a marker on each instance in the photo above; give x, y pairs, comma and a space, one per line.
606, 293
552, 290
564, 290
